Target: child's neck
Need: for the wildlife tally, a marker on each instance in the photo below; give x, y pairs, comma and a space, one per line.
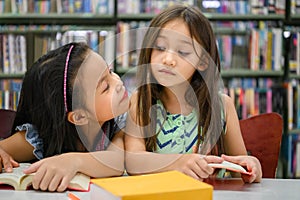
91, 130
174, 101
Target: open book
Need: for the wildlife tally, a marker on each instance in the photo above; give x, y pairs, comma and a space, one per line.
230, 166
20, 181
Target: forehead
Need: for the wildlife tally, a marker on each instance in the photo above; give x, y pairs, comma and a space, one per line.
93, 64
177, 29
92, 69
176, 33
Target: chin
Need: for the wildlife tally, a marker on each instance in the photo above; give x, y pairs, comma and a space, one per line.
121, 110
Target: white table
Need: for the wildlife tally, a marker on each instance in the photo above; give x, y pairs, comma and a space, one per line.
268, 189
235, 189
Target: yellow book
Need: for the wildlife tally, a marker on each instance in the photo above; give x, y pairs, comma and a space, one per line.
166, 185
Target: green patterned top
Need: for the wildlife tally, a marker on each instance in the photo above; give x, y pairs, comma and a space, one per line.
177, 133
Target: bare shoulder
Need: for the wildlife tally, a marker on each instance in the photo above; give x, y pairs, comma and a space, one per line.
227, 100
229, 107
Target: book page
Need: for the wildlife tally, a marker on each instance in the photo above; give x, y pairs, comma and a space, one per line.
230, 166
80, 182
21, 181
13, 178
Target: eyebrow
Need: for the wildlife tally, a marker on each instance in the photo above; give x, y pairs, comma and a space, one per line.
180, 40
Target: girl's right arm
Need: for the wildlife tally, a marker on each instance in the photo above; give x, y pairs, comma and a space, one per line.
15, 149
139, 161
55, 173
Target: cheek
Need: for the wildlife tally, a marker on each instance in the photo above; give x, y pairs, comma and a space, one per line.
188, 72
192, 60
103, 108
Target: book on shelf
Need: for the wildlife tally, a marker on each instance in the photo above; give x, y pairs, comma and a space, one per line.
165, 185
297, 158
20, 181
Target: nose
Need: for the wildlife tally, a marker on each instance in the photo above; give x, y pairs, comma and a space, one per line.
169, 59
119, 83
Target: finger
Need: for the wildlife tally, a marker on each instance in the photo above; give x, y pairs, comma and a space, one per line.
7, 165
213, 159
44, 182
235, 159
14, 163
54, 183
64, 183
37, 178
192, 174
1, 164
195, 149
33, 167
5, 161
203, 170
248, 178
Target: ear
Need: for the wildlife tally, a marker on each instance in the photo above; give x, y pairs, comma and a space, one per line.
203, 63
201, 67
78, 117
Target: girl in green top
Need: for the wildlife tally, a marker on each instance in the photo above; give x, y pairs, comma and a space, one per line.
178, 110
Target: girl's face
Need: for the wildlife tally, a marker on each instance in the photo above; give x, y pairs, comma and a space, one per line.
105, 93
174, 57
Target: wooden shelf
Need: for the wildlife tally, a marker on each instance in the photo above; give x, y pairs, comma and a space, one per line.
11, 76
233, 73
210, 16
53, 29
135, 17
294, 76
294, 131
243, 17
56, 19
239, 73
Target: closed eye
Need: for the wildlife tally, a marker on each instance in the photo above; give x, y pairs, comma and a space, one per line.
183, 53
160, 48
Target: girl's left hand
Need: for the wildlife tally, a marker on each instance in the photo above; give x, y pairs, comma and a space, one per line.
251, 163
7, 162
53, 173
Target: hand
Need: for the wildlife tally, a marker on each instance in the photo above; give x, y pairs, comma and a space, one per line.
196, 165
6, 161
53, 173
251, 163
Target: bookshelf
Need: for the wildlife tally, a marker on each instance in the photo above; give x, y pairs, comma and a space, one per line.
57, 21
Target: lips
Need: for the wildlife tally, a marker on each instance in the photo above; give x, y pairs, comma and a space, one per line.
166, 71
125, 95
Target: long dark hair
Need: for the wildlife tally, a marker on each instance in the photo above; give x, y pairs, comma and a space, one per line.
42, 101
204, 85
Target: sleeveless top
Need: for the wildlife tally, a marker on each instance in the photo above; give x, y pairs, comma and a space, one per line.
177, 133
102, 141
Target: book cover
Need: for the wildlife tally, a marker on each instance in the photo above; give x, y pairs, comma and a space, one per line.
20, 181
165, 185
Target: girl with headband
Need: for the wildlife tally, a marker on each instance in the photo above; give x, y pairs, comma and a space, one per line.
71, 114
